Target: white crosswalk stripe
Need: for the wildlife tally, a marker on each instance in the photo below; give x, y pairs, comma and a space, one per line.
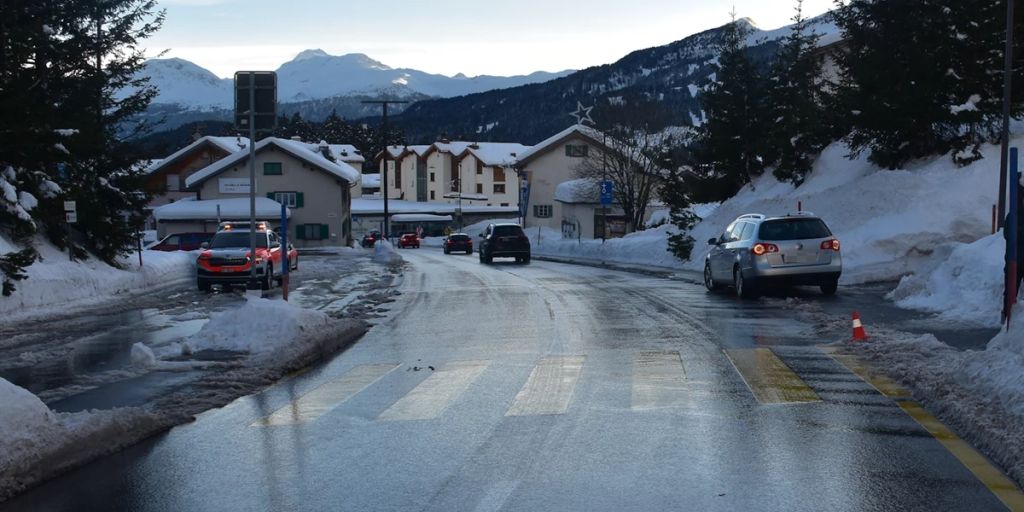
658, 380
328, 396
433, 395
549, 388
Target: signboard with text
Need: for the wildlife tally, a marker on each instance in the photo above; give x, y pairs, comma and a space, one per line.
606, 192
233, 185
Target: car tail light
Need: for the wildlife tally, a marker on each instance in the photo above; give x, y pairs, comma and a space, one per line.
761, 249
204, 256
830, 245
523, 238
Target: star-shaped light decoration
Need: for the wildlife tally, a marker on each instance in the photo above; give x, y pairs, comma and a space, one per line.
582, 114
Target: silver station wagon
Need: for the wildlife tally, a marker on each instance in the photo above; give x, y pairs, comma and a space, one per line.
757, 252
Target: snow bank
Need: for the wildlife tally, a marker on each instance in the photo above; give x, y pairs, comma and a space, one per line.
648, 247
55, 283
966, 285
36, 443
260, 326
384, 253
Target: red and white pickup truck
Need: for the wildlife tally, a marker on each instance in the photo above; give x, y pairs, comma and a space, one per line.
227, 259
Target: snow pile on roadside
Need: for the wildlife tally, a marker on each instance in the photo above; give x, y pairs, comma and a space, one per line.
260, 326
36, 443
385, 254
647, 247
54, 282
980, 393
966, 285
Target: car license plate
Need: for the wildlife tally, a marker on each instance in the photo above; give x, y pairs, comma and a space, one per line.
223, 269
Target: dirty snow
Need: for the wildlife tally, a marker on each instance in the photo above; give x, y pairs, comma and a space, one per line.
384, 253
56, 284
259, 326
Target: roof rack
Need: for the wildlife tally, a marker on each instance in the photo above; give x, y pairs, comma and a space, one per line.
805, 213
757, 216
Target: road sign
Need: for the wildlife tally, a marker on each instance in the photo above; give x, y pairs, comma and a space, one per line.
71, 217
69, 206
606, 192
265, 108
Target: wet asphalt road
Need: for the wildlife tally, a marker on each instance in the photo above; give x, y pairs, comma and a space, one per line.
548, 387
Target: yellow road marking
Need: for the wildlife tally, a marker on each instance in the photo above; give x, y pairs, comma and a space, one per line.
549, 388
658, 380
881, 383
988, 474
326, 397
432, 396
976, 463
769, 379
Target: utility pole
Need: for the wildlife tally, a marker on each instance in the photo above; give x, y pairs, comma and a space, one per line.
253, 282
384, 144
1007, 84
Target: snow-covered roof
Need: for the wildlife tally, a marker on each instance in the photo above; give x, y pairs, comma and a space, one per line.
584, 190
547, 144
235, 208
309, 153
495, 153
371, 180
364, 206
466, 195
228, 144
420, 217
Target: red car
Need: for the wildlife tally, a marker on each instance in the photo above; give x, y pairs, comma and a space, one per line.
181, 242
226, 259
409, 240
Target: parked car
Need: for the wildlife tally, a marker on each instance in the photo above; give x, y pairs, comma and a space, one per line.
370, 239
757, 252
504, 240
226, 259
181, 242
458, 242
409, 240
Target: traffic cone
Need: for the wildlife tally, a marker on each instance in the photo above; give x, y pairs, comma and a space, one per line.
858, 328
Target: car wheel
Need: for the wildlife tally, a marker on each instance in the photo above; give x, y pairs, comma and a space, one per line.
744, 288
709, 280
469, 251
526, 259
268, 279
204, 285
830, 287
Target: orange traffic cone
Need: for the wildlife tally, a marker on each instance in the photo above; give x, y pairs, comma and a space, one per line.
858, 328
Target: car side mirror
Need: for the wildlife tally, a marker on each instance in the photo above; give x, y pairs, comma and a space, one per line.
204, 245
713, 241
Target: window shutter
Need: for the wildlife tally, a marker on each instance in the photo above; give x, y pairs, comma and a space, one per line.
299, 200
300, 231
324, 231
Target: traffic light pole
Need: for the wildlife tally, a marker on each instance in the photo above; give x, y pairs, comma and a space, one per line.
384, 149
253, 283
1007, 84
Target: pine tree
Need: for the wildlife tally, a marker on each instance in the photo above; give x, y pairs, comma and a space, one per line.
922, 78
798, 102
732, 146
68, 88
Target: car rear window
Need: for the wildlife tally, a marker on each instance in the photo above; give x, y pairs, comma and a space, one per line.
459, 238
793, 229
224, 240
508, 231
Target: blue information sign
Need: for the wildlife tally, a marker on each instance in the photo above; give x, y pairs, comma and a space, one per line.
606, 192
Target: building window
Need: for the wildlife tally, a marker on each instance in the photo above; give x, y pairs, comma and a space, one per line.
173, 183
398, 174
499, 175
479, 167
431, 177
312, 232
576, 150
431, 195
542, 211
499, 188
272, 169
504, 204
289, 199
479, 188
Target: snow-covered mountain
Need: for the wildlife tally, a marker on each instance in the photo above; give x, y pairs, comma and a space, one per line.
315, 74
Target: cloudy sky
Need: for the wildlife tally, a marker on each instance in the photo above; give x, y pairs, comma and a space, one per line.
445, 36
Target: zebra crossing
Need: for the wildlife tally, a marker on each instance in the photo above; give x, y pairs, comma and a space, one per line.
658, 380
